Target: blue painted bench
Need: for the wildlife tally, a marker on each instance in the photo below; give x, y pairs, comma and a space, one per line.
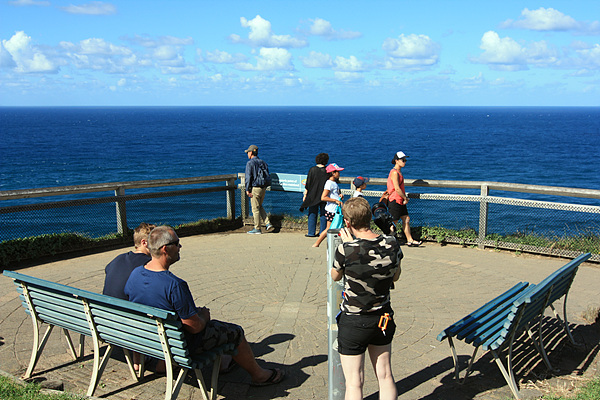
118, 323
495, 326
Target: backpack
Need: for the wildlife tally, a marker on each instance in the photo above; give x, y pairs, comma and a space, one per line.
263, 178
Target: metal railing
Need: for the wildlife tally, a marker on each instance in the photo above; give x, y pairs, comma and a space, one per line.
105, 214
106, 208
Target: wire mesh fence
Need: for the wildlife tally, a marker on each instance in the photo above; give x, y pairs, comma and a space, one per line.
562, 229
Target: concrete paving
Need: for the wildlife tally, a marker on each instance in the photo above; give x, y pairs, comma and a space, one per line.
274, 285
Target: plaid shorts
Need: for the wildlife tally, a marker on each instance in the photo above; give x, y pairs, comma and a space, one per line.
215, 334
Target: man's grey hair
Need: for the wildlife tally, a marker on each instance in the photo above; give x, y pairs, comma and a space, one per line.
160, 236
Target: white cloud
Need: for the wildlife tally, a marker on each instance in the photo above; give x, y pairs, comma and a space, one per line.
502, 53
24, 3
323, 28
149, 42
92, 8
165, 53
261, 35
508, 55
269, 59
348, 76
20, 54
317, 60
543, 19
351, 64
411, 52
102, 47
223, 57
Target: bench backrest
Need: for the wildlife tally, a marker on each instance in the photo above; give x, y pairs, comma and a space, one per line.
118, 322
534, 300
486, 322
563, 277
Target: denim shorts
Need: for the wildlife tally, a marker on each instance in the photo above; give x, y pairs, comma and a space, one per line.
357, 332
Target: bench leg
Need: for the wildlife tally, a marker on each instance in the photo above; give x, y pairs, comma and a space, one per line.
214, 381
540, 347
98, 368
508, 374
171, 391
206, 395
565, 323
70, 344
455, 359
38, 346
129, 360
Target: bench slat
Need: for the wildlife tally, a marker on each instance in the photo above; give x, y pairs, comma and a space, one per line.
486, 312
147, 326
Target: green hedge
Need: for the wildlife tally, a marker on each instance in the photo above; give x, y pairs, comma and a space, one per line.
13, 252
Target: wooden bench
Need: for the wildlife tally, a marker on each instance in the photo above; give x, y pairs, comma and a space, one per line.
118, 323
495, 326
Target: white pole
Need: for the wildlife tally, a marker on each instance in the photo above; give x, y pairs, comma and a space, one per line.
337, 384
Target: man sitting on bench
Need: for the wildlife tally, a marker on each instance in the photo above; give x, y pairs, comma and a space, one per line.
154, 285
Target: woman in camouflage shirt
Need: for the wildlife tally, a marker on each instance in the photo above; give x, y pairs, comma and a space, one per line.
370, 263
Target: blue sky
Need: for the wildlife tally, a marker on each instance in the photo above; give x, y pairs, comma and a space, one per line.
279, 52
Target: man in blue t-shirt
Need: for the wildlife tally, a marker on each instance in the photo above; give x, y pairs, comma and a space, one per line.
154, 285
117, 271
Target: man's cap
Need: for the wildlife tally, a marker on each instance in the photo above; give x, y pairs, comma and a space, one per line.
333, 167
359, 180
251, 148
400, 155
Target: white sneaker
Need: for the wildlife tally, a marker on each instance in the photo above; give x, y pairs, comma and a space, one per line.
269, 228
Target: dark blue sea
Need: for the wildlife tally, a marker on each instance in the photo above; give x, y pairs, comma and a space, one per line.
60, 146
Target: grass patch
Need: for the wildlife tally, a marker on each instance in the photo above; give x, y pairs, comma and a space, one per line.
583, 242
589, 391
11, 390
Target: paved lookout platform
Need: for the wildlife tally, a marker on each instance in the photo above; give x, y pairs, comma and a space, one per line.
274, 285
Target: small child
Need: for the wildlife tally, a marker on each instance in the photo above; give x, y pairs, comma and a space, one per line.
332, 195
360, 184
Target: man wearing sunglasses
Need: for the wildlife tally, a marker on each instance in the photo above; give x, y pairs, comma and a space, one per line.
154, 285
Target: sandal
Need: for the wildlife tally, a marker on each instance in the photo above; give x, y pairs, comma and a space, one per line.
277, 376
414, 243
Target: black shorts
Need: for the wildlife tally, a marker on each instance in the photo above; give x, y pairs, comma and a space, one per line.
357, 332
397, 210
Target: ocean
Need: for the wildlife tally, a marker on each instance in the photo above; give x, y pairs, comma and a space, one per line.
61, 146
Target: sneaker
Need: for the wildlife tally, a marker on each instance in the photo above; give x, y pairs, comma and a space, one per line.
255, 231
269, 228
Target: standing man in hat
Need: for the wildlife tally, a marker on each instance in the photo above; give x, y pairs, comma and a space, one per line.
257, 180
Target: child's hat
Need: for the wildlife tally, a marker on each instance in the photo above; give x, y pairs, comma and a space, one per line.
359, 181
333, 167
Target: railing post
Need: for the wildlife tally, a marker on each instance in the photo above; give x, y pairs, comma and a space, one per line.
337, 383
483, 215
244, 201
121, 211
231, 199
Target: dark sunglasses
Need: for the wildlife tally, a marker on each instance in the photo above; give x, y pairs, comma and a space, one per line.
176, 242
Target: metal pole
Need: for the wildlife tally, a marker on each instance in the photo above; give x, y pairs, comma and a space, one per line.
337, 384
121, 211
483, 215
231, 199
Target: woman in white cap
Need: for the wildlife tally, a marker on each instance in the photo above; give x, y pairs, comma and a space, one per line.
333, 196
398, 198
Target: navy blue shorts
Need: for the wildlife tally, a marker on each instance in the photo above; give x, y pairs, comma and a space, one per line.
357, 332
